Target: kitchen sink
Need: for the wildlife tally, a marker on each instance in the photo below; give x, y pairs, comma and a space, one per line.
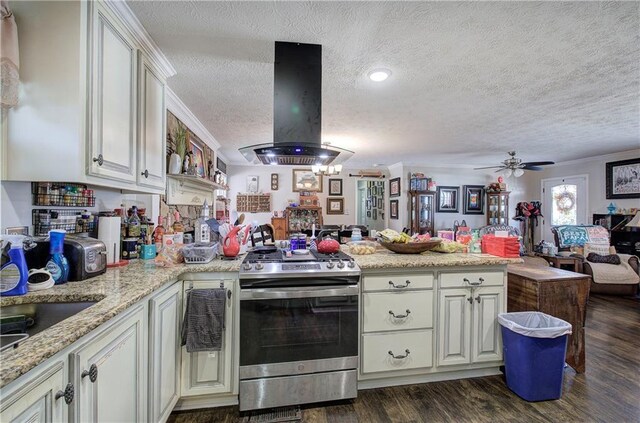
32, 318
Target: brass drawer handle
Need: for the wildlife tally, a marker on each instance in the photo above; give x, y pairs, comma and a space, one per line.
400, 316
400, 357
406, 285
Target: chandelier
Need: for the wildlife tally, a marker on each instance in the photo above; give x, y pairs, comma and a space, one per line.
324, 170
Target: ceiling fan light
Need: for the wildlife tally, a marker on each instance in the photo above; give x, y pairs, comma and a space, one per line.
507, 173
518, 173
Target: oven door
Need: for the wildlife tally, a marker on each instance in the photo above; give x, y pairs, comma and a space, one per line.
287, 331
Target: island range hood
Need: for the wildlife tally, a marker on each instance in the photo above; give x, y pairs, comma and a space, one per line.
297, 111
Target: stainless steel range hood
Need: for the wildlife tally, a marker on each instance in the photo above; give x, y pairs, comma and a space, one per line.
297, 111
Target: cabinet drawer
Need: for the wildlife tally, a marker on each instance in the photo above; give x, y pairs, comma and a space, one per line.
457, 280
376, 351
417, 306
397, 282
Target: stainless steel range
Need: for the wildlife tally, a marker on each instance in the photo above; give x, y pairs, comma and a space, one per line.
298, 328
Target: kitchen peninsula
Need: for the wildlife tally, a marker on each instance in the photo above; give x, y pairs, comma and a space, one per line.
140, 307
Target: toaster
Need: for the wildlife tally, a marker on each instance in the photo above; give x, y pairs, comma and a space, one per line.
87, 257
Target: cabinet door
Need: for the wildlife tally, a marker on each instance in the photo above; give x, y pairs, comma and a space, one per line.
118, 393
36, 400
151, 126
454, 327
164, 352
487, 342
210, 372
113, 99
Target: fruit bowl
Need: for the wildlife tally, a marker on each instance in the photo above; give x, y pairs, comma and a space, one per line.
410, 247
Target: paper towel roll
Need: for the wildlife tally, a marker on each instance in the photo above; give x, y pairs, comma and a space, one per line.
109, 233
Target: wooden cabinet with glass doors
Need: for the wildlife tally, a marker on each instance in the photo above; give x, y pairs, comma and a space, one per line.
422, 210
498, 208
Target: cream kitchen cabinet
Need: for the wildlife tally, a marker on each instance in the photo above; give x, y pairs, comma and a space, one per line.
468, 329
95, 100
109, 372
113, 90
212, 372
41, 398
152, 114
164, 352
397, 323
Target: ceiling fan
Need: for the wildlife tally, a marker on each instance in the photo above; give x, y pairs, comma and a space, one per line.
516, 167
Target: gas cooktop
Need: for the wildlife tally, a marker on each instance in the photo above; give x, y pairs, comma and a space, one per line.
283, 263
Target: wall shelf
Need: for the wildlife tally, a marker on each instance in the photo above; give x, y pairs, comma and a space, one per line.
197, 180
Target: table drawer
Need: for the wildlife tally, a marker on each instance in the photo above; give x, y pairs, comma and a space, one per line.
397, 282
457, 279
416, 306
412, 350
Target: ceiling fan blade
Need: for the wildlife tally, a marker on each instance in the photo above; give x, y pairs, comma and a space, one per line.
488, 167
530, 167
537, 163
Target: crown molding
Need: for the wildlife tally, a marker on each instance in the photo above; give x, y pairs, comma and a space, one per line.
142, 37
182, 112
630, 154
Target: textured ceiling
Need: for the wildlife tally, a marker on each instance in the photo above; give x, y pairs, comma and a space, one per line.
551, 80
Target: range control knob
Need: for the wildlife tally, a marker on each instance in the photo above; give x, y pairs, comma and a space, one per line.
341, 265
259, 266
351, 264
246, 266
330, 265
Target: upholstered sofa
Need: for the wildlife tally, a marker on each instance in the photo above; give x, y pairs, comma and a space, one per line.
618, 279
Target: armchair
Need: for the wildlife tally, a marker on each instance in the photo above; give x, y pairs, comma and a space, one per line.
615, 279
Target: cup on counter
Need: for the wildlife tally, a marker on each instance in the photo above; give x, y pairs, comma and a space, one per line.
293, 242
302, 242
283, 244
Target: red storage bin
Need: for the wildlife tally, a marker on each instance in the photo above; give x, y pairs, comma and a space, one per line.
508, 247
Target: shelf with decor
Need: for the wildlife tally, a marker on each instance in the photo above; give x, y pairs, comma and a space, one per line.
498, 208
62, 194
198, 180
303, 218
253, 203
422, 211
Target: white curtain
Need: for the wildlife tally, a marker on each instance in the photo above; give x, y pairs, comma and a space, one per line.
9, 57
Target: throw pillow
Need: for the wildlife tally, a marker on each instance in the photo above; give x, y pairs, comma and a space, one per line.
597, 258
590, 247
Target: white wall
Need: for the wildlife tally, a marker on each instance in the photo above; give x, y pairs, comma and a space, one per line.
280, 198
594, 168
16, 203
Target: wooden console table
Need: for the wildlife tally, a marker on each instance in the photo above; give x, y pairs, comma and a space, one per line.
556, 292
558, 261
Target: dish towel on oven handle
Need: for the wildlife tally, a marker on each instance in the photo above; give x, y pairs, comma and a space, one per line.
203, 323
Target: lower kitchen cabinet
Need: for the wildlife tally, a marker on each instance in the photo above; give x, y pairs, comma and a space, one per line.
110, 372
211, 372
397, 351
164, 352
40, 399
468, 330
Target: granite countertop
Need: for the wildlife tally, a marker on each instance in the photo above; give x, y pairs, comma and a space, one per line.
120, 288
387, 259
116, 290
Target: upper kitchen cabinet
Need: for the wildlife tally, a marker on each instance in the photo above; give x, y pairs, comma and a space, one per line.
112, 125
92, 107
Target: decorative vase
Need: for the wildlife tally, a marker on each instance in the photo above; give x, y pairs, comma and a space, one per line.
175, 164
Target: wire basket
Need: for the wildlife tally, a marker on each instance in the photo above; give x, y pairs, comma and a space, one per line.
65, 194
199, 253
71, 221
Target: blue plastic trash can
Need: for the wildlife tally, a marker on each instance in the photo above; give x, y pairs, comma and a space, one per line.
534, 346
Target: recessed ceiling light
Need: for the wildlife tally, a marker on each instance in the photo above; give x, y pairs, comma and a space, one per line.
379, 75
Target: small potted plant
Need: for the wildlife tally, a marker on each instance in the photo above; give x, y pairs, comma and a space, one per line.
175, 161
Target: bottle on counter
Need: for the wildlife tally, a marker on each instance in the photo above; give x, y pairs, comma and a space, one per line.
133, 224
14, 273
158, 233
202, 231
178, 228
57, 264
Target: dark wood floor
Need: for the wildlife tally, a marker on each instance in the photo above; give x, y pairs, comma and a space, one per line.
609, 391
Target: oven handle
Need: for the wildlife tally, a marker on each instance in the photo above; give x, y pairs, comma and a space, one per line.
298, 292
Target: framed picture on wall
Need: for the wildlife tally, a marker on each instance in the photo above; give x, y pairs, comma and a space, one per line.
197, 157
335, 186
473, 199
369, 213
374, 214
393, 209
374, 202
623, 179
335, 205
307, 181
394, 187
447, 199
